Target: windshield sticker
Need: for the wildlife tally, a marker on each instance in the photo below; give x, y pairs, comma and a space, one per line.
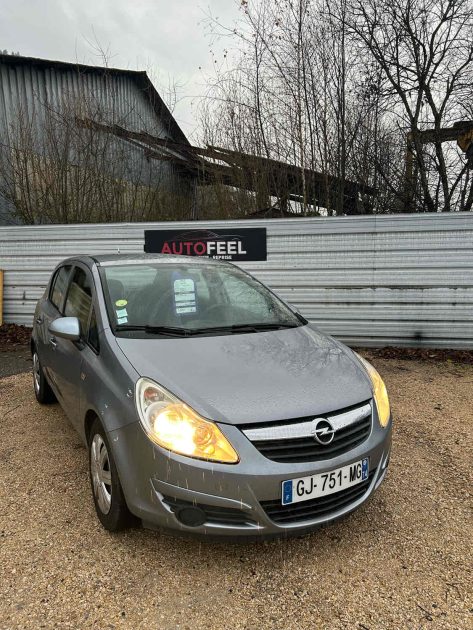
122, 320
184, 296
121, 303
122, 313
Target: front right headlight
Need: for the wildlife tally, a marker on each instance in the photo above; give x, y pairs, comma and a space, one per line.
175, 426
380, 393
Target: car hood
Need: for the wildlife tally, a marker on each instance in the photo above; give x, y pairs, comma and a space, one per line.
255, 377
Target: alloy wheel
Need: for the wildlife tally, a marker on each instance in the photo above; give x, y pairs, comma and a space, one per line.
36, 372
101, 473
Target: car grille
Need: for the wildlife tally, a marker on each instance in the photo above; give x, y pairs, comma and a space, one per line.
215, 515
306, 449
315, 508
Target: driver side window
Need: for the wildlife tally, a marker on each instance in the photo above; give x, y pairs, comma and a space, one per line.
59, 286
79, 299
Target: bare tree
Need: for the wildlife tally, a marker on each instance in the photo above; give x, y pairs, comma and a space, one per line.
344, 87
424, 51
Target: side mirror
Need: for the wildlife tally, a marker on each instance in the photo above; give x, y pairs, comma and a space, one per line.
66, 328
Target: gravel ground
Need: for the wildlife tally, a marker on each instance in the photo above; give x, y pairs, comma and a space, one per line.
14, 360
404, 560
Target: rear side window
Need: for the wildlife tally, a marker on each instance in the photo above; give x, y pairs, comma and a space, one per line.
59, 286
79, 299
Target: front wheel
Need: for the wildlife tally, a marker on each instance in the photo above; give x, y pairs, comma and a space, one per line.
42, 390
110, 504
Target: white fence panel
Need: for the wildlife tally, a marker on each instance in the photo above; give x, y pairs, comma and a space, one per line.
371, 280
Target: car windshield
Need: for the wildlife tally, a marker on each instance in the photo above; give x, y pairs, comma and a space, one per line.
185, 299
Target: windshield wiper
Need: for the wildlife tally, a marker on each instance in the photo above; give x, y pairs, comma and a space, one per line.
171, 331
242, 328
174, 331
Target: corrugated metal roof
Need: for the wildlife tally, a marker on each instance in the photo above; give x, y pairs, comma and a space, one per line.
371, 280
140, 77
32, 89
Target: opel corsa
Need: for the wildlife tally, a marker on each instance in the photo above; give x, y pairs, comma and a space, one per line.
207, 403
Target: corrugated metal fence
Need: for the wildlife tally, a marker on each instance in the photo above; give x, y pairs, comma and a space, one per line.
371, 280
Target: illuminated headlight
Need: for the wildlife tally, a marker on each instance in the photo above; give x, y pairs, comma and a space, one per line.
379, 392
173, 425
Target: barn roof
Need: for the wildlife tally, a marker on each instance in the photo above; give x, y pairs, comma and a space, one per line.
140, 77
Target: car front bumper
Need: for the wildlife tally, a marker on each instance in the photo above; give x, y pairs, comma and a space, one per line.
239, 500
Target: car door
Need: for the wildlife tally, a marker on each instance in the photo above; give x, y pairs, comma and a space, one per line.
67, 355
50, 309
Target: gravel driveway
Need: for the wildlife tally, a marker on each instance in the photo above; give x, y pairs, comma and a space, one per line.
15, 360
402, 561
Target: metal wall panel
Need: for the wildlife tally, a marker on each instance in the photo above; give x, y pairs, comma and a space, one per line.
32, 90
373, 280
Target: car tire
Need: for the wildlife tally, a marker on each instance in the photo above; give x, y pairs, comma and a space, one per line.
109, 500
42, 389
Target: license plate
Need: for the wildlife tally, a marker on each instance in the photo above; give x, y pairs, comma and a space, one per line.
323, 484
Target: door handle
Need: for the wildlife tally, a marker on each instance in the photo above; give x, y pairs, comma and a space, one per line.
39, 320
53, 341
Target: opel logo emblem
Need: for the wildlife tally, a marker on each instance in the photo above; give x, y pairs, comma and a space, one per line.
323, 431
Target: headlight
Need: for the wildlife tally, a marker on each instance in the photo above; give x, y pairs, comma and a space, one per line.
176, 427
379, 392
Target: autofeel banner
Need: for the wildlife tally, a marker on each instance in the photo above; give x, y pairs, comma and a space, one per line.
225, 244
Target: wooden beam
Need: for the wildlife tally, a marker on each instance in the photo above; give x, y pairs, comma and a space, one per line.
266, 176
446, 134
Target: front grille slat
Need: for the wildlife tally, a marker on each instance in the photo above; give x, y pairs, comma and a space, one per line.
306, 449
340, 436
310, 454
315, 508
301, 443
351, 429
311, 514
324, 503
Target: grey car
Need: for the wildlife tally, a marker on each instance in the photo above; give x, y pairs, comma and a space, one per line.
207, 403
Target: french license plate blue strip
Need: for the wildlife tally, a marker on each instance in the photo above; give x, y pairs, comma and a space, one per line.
287, 492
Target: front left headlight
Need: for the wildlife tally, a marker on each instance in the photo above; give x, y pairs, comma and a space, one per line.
380, 393
173, 425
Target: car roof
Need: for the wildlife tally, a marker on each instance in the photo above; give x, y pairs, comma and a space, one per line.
108, 260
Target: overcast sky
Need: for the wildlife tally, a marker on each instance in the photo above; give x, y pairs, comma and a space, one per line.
167, 38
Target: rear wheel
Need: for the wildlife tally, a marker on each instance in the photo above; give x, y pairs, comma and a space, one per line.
42, 390
107, 492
